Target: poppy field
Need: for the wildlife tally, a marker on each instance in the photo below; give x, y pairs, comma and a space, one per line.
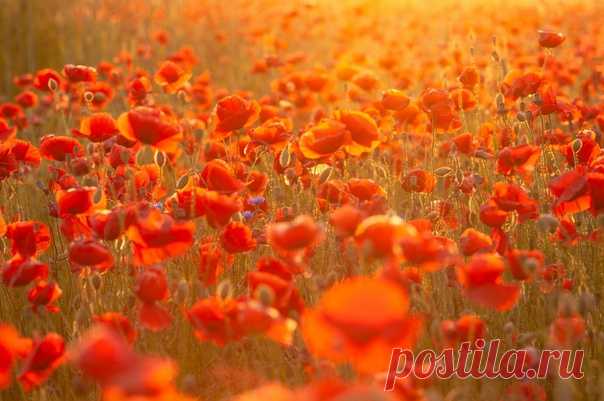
261, 200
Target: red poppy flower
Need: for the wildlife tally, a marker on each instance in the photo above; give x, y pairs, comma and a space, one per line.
395, 100
151, 287
364, 132
117, 322
510, 197
151, 127
419, 181
90, 253
519, 160
345, 220
46, 356
299, 234
523, 264
47, 80
324, 139
105, 356
19, 271
157, 237
226, 320
359, 321
77, 201
44, 294
98, 127
483, 284
58, 148
550, 39
236, 237
171, 76
79, 73
284, 295
12, 347
234, 112
473, 241
28, 238
218, 176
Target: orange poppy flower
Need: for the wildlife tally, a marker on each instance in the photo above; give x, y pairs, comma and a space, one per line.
12, 347
466, 328
98, 127
274, 132
156, 236
516, 84
395, 100
151, 287
236, 237
520, 160
294, 236
565, 331
234, 112
117, 322
380, 235
364, 189
469, 77
511, 197
47, 354
218, 176
364, 132
324, 139
482, 282
571, 192
105, 356
171, 76
491, 215
463, 99
345, 220
473, 241
465, 143
78, 201
284, 295
419, 181
226, 320
523, 264
151, 127
58, 148
212, 262
359, 321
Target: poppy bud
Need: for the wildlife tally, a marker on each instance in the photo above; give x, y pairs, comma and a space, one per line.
285, 157
125, 156
224, 290
189, 384
160, 158
566, 306
325, 175
443, 172
182, 291
96, 281
547, 223
82, 317
576, 145
265, 295
182, 181
88, 97
53, 85
509, 328
587, 303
